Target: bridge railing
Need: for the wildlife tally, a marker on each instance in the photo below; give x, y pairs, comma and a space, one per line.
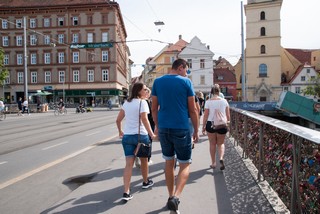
287, 156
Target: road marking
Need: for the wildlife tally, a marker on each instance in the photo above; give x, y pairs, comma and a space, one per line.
47, 166
4, 162
92, 133
59, 144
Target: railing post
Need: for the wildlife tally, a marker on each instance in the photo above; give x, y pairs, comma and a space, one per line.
295, 203
237, 129
261, 155
245, 136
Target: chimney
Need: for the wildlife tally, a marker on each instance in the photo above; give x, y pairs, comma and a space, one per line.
180, 37
208, 46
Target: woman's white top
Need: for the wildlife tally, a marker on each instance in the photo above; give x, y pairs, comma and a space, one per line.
216, 104
131, 110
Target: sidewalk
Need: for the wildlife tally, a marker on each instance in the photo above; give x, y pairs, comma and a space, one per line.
208, 191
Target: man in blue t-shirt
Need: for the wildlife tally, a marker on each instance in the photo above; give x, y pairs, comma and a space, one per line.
172, 101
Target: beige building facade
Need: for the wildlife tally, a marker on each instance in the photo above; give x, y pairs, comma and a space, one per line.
75, 50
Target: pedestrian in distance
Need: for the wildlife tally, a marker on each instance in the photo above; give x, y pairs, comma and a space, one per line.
216, 134
133, 109
173, 99
25, 106
20, 107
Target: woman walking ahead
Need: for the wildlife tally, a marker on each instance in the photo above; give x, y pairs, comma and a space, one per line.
216, 134
130, 111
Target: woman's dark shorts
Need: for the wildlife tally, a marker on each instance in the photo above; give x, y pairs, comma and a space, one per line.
210, 129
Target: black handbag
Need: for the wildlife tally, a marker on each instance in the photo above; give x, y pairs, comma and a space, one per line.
142, 150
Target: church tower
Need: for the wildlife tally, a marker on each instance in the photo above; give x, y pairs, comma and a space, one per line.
263, 50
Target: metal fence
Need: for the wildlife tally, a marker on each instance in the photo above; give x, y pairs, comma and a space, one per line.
287, 156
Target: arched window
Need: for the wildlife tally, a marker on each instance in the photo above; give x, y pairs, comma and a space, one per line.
262, 31
263, 70
262, 15
262, 49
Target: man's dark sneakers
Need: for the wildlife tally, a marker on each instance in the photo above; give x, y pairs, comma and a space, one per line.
148, 184
126, 196
173, 203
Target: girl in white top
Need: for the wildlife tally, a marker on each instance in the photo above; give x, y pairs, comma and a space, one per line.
216, 135
130, 133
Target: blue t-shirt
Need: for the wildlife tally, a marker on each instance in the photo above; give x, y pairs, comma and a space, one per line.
172, 92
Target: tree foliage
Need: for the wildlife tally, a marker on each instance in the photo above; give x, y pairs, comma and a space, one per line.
4, 73
314, 87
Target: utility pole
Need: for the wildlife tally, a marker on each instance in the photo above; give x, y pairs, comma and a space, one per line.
243, 71
25, 59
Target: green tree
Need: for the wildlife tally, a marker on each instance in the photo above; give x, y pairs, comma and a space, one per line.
314, 87
4, 73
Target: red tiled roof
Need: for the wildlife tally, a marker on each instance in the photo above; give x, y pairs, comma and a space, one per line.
228, 75
41, 3
178, 46
302, 55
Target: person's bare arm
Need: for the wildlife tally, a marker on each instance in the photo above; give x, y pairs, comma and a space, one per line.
154, 110
119, 120
194, 117
204, 120
146, 123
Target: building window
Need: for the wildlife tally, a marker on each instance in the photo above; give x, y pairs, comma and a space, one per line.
263, 70
6, 59
91, 56
61, 77
75, 57
33, 39
19, 59
90, 37
90, 75
33, 23
61, 57
4, 24
286, 88
104, 19
61, 38
20, 77
60, 21
104, 56
7, 80
47, 39
33, 77
262, 49
5, 41
262, 31
33, 59
76, 75
298, 90
312, 78
90, 20
47, 77
202, 80
19, 23
220, 77
303, 78
105, 37
46, 22
308, 70
189, 62
262, 15
172, 59
47, 58
202, 65
75, 38
75, 21
263, 99
105, 75
19, 40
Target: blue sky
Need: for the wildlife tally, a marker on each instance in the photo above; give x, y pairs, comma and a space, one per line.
216, 23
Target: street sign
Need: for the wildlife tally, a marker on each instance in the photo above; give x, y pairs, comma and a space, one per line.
91, 45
